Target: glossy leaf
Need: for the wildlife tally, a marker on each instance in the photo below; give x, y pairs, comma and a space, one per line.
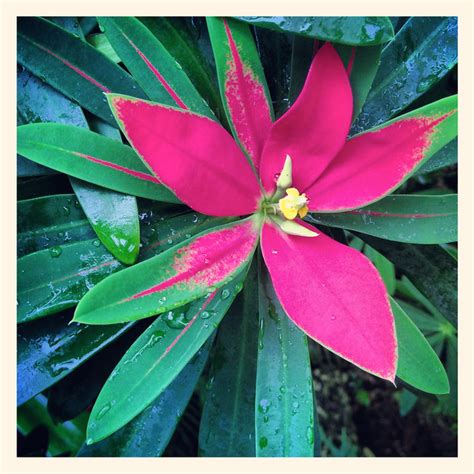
284, 417
446, 156
353, 30
422, 52
183, 273
148, 434
242, 84
72, 66
50, 221
114, 218
91, 157
362, 65
175, 36
157, 72
431, 269
407, 218
155, 360
50, 349
227, 425
418, 364
385, 268
58, 277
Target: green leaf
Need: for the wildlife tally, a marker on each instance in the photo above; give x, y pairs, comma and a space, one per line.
284, 416
431, 269
418, 364
175, 36
100, 42
57, 278
414, 219
407, 401
50, 349
72, 66
114, 218
157, 72
91, 157
365, 62
301, 56
384, 267
62, 438
169, 280
148, 434
228, 418
446, 156
353, 30
50, 221
422, 52
156, 358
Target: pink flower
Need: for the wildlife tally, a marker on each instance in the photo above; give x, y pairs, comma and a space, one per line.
330, 291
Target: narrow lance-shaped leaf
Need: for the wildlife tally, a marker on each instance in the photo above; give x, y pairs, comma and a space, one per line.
412, 219
91, 157
384, 266
148, 434
72, 66
176, 37
423, 51
112, 215
418, 364
156, 358
446, 156
242, 84
227, 425
100, 42
157, 72
177, 276
50, 349
284, 417
57, 278
431, 269
352, 30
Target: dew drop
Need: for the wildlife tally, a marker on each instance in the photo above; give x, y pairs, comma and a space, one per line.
225, 294
66, 210
264, 405
103, 411
55, 251
263, 442
96, 243
274, 252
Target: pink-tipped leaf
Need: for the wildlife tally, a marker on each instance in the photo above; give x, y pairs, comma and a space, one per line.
335, 295
242, 84
315, 128
373, 164
190, 154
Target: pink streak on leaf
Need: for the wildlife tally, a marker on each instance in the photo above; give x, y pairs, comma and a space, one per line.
351, 61
246, 102
192, 155
136, 174
75, 69
335, 295
158, 75
185, 329
315, 128
209, 259
373, 164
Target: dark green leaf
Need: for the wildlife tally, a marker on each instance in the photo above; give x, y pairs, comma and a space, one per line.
72, 66
284, 417
447, 156
423, 51
431, 269
412, 219
50, 221
384, 267
148, 434
228, 418
50, 349
354, 30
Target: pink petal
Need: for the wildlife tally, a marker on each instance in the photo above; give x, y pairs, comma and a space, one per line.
373, 164
335, 295
315, 128
192, 155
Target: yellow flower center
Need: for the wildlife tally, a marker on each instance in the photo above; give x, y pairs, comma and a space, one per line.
293, 204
